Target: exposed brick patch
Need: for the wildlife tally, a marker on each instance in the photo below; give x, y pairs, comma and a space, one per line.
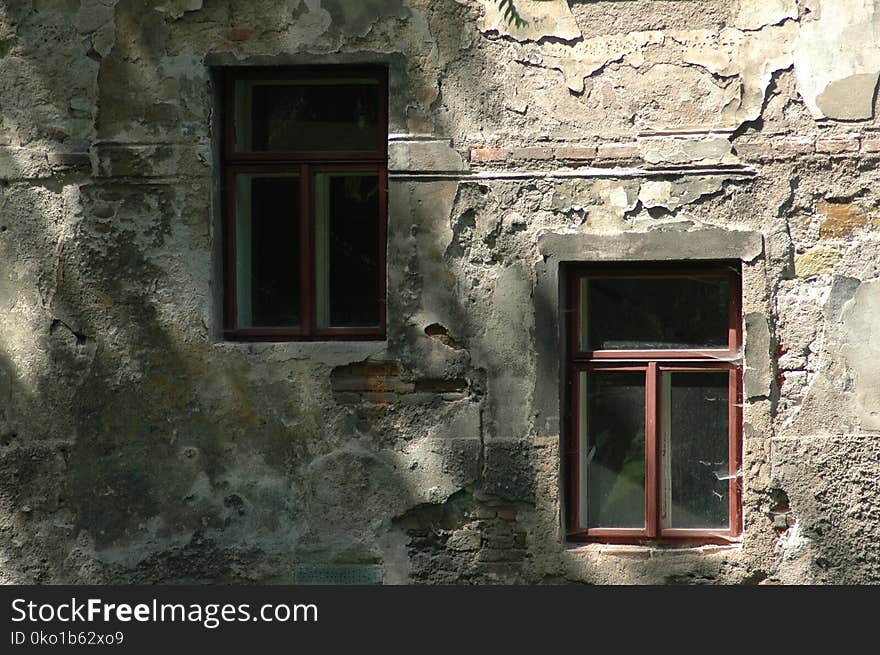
837, 146
463, 540
368, 382
775, 149
755, 151
489, 154
441, 334
380, 383
576, 153
781, 515
440, 386
871, 145
379, 368
240, 34
378, 397
618, 151
507, 514
793, 147
841, 219
68, 160
533, 152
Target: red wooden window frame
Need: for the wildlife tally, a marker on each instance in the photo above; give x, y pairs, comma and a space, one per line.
654, 363
304, 165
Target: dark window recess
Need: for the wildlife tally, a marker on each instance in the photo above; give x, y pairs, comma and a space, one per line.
695, 439
645, 313
653, 448
305, 165
615, 459
303, 116
348, 258
268, 232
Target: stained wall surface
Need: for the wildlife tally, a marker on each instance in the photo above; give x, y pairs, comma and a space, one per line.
137, 445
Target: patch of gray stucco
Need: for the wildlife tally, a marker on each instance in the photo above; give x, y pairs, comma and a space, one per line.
177, 8
358, 18
842, 291
851, 98
660, 244
697, 150
861, 349
757, 376
837, 59
832, 484
423, 155
675, 193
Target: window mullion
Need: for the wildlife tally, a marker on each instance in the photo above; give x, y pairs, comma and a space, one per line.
734, 425
573, 451
307, 302
651, 468
230, 276
383, 245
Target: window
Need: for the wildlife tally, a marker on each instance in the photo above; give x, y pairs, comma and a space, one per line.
654, 379
305, 170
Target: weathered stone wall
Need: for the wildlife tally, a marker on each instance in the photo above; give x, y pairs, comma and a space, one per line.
137, 446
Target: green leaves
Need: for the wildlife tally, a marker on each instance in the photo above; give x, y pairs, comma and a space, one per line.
511, 15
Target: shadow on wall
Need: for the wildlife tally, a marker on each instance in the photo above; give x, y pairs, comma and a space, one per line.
122, 447
133, 449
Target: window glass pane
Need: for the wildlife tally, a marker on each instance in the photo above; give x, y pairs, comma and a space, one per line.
653, 313
267, 250
307, 115
613, 449
347, 276
694, 421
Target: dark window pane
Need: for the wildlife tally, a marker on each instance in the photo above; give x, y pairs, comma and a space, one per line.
695, 449
348, 276
307, 115
654, 313
612, 419
267, 249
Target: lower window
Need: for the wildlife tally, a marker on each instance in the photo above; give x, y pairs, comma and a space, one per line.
654, 377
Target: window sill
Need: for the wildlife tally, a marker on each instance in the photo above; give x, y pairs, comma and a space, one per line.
640, 551
331, 353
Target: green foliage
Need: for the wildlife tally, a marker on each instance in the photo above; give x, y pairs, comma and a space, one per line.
511, 15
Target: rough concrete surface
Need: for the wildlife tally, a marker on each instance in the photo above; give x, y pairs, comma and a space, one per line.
136, 445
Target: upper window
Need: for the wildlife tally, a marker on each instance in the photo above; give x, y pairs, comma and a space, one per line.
305, 175
654, 378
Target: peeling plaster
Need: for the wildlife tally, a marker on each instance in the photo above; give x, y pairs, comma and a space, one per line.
258, 465
177, 8
837, 59
547, 18
674, 194
702, 150
753, 15
586, 57
752, 57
